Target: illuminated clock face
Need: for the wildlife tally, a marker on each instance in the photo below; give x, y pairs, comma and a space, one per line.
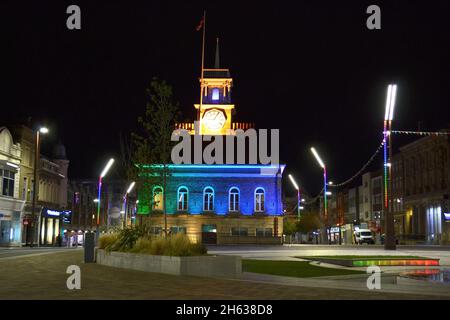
214, 119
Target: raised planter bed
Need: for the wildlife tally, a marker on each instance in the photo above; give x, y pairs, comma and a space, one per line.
203, 266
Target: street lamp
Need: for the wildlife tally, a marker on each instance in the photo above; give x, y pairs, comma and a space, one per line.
102, 175
389, 243
325, 209
298, 195
125, 197
31, 232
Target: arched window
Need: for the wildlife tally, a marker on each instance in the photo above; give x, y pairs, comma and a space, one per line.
158, 198
233, 200
182, 199
259, 200
208, 199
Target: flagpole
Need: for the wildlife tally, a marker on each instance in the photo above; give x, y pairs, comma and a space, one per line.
201, 76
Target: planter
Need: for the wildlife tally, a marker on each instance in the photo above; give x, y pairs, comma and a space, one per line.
203, 266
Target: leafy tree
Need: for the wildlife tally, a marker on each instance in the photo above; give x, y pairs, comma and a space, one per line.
147, 156
308, 222
289, 227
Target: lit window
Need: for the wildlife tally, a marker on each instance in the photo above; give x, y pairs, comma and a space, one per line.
208, 199
259, 200
234, 200
157, 198
8, 182
215, 94
182, 198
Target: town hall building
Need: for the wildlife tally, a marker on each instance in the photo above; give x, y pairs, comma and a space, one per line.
217, 203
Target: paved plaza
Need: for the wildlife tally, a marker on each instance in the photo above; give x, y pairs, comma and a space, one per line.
43, 276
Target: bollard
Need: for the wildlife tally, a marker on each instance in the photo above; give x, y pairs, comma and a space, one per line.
89, 247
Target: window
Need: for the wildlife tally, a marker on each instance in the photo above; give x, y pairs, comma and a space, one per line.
177, 229
158, 198
239, 231
233, 200
32, 190
182, 199
263, 232
208, 199
7, 182
24, 188
155, 230
215, 94
259, 200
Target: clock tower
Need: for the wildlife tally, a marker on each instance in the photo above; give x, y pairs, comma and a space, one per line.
215, 109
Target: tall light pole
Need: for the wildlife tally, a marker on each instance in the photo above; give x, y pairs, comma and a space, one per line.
125, 198
298, 195
325, 209
31, 232
102, 175
389, 241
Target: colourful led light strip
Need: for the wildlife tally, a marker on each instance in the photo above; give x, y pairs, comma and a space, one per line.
396, 262
385, 165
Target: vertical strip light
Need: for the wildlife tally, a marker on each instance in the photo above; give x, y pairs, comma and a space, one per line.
387, 117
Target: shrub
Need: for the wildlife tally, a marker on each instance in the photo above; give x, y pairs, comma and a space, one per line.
179, 245
138, 240
127, 238
107, 240
142, 245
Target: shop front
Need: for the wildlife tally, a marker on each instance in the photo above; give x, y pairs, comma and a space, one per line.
50, 226
333, 235
10, 226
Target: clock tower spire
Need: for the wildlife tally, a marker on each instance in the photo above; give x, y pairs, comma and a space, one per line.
216, 107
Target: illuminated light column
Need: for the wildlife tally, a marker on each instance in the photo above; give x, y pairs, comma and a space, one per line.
125, 203
31, 232
389, 243
102, 175
325, 209
298, 196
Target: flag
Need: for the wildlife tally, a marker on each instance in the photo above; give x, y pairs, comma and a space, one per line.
200, 25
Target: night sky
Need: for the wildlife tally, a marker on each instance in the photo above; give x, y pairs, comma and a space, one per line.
309, 68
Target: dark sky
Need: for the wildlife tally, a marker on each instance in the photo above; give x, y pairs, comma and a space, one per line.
309, 68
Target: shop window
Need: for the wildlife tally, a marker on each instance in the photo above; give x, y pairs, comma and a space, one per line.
177, 229
239, 231
263, 232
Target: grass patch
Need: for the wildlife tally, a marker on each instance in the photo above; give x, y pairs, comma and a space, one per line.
299, 269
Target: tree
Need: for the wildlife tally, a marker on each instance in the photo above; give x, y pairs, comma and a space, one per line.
308, 222
149, 154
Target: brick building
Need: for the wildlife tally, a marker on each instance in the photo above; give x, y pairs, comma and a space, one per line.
217, 203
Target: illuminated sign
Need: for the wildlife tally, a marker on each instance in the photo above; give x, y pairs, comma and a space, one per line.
53, 213
66, 215
447, 216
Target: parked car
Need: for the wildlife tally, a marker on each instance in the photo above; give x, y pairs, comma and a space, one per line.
364, 236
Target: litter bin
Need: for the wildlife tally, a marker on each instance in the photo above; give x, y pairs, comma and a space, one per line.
89, 247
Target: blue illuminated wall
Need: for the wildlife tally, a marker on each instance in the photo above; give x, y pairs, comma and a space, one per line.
247, 178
